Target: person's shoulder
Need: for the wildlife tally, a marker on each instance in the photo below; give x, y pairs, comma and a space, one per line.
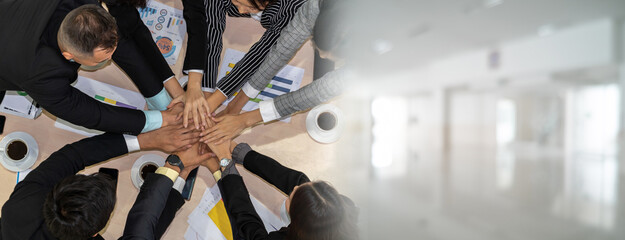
22, 213
49, 63
278, 235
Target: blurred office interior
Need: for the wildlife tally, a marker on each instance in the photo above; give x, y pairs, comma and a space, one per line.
496, 119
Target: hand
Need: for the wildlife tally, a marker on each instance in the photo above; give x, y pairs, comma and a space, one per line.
171, 115
237, 103
190, 157
229, 126
221, 150
212, 164
169, 139
195, 104
185, 172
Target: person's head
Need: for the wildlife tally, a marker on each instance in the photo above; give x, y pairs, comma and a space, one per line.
251, 6
319, 212
330, 33
88, 35
79, 206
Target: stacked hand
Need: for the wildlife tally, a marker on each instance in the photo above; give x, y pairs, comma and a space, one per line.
191, 159
196, 106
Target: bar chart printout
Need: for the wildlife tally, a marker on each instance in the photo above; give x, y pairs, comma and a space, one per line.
104, 93
287, 80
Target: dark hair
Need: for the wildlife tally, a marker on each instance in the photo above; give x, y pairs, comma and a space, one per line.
319, 212
132, 3
330, 31
79, 206
87, 28
258, 4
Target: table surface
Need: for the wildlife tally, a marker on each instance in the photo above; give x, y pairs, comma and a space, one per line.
286, 142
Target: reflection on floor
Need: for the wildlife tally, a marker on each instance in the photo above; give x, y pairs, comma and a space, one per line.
517, 190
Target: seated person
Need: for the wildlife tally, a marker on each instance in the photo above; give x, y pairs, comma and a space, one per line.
52, 202
315, 209
316, 18
206, 22
48, 41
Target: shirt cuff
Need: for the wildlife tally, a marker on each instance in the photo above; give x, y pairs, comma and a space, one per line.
268, 110
179, 184
239, 152
169, 78
207, 89
132, 142
249, 90
170, 173
195, 71
222, 92
217, 175
159, 101
153, 120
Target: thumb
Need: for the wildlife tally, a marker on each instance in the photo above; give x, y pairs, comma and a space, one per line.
176, 100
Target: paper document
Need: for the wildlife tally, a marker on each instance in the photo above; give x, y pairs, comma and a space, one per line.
209, 219
105, 93
287, 80
167, 26
18, 103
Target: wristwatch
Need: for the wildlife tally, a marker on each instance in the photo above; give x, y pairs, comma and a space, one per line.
224, 162
174, 160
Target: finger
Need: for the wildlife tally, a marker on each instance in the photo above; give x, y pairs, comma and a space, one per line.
195, 118
207, 115
212, 129
212, 133
219, 119
185, 118
203, 113
175, 101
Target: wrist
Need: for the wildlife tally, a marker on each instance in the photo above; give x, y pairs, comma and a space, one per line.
175, 168
224, 155
145, 141
214, 100
252, 117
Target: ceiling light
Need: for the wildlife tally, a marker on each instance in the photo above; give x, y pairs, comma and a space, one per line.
492, 3
545, 30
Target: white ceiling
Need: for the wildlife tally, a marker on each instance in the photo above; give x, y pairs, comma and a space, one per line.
420, 31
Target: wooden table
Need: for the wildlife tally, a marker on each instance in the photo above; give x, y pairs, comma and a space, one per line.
286, 142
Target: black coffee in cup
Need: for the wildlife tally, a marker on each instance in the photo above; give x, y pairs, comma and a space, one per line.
326, 121
148, 168
16, 150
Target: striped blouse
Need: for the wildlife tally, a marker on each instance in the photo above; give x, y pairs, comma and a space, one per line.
274, 18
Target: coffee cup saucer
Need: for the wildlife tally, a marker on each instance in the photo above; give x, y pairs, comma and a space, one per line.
26, 162
321, 135
135, 172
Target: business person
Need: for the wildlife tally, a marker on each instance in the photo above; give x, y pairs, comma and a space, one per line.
314, 210
52, 202
206, 22
46, 42
320, 19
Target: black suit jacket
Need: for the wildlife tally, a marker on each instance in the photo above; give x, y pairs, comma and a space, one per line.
246, 222
22, 214
32, 62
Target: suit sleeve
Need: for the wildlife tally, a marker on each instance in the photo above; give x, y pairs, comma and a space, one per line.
19, 212
55, 94
194, 13
137, 53
268, 169
75, 157
292, 37
144, 216
322, 90
174, 203
240, 209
